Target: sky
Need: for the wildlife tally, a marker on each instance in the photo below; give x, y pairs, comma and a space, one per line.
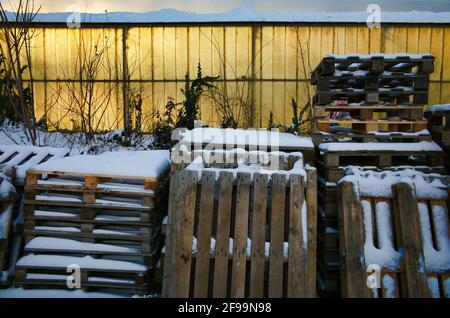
207, 6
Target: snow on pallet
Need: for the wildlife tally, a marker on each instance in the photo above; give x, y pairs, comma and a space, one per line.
380, 154
16, 160
242, 194
346, 135
51, 270
145, 166
263, 140
400, 223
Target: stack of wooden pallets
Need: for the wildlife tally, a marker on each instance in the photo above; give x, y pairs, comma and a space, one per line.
372, 93
439, 125
368, 112
107, 223
241, 225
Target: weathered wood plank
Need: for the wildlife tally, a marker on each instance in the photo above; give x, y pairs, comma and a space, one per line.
240, 235
311, 219
414, 260
204, 234
258, 235
277, 236
296, 276
223, 235
351, 243
184, 230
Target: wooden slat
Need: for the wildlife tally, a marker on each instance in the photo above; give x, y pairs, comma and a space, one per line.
414, 259
277, 236
223, 235
240, 235
184, 230
311, 219
258, 236
296, 276
204, 234
351, 243
167, 289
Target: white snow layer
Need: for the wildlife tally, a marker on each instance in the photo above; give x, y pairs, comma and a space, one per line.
86, 262
133, 164
250, 137
381, 146
6, 187
379, 184
49, 243
383, 253
440, 108
437, 258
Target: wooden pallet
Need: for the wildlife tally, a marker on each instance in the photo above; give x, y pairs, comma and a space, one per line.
322, 137
20, 158
378, 96
355, 80
124, 252
375, 65
335, 174
439, 126
48, 275
328, 282
295, 278
368, 112
410, 278
380, 159
380, 125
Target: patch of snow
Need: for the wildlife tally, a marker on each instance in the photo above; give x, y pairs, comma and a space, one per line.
433, 287
6, 217
6, 187
379, 184
228, 138
385, 254
57, 244
389, 286
436, 259
57, 229
54, 214
54, 293
126, 164
423, 146
86, 262
439, 108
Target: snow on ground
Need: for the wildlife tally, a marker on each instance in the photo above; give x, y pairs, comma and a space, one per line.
251, 137
137, 164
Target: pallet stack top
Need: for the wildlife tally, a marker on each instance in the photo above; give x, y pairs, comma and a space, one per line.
372, 93
16, 160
